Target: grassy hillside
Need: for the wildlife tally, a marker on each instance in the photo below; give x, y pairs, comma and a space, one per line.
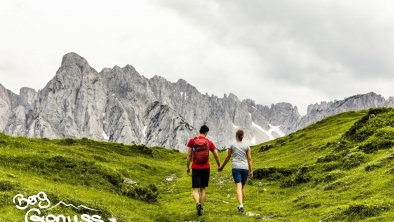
339, 169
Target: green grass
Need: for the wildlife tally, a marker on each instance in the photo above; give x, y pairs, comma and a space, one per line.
339, 169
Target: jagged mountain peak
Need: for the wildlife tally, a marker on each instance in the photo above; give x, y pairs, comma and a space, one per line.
231, 96
72, 58
121, 105
363, 95
182, 81
129, 69
26, 90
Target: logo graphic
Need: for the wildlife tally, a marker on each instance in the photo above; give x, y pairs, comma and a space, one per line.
40, 202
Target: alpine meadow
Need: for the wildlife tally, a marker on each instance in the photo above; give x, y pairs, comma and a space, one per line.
338, 169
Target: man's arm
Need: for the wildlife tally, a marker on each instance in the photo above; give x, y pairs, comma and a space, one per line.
215, 154
229, 152
189, 158
249, 154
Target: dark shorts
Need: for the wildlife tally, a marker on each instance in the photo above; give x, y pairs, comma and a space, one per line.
240, 175
200, 178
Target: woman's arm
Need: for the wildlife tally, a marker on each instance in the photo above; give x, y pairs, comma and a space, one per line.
249, 154
226, 160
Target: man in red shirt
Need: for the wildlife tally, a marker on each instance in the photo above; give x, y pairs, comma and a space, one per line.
198, 153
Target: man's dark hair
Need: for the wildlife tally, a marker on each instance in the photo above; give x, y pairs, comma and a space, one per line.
204, 129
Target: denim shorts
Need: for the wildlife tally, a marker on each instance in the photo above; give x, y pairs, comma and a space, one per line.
240, 175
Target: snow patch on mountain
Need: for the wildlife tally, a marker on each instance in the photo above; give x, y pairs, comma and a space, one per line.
105, 136
276, 129
253, 141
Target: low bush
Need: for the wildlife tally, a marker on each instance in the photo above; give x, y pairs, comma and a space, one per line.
373, 167
6, 185
362, 211
73, 171
3, 143
334, 186
328, 158
266, 148
148, 194
331, 166
330, 177
353, 160
366, 126
375, 145
67, 142
300, 177
272, 173
308, 205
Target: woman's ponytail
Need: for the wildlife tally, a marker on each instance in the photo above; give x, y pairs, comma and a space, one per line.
240, 135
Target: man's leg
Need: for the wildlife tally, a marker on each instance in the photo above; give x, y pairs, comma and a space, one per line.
196, 195
202, 198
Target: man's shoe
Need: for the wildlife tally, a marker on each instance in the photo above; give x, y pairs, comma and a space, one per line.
240, 209
199, 209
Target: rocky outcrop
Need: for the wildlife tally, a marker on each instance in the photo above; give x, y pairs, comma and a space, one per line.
120, 105
8, 101
321, 110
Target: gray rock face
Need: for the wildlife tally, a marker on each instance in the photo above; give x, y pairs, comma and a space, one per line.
8, 100
319, 111
120, 105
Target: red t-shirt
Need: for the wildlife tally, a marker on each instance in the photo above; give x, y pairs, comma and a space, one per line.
212, 148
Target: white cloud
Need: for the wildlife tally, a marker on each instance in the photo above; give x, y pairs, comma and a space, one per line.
270, 51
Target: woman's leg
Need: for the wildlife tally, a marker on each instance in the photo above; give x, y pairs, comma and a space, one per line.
238, 187
245, 174
243, 193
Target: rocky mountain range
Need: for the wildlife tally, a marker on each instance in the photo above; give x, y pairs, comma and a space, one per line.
120, 105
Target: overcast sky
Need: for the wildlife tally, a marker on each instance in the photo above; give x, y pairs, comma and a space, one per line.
300, 51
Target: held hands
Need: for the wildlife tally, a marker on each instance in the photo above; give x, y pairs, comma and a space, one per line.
220, 168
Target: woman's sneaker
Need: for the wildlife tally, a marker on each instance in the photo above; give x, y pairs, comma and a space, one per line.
199, 209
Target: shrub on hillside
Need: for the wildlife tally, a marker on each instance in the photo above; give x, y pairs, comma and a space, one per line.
328, 158
272, 173
335, 185
148, 194
376, 145
382, 139
353, 160
381, 163
74, 171
3, 143
330, 177
362, 211
373, 120
373, 167
266, 148
6, 185
67, 142
301, 176
143, 149
331, 166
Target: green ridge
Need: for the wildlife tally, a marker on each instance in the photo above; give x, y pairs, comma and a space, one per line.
339, 169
